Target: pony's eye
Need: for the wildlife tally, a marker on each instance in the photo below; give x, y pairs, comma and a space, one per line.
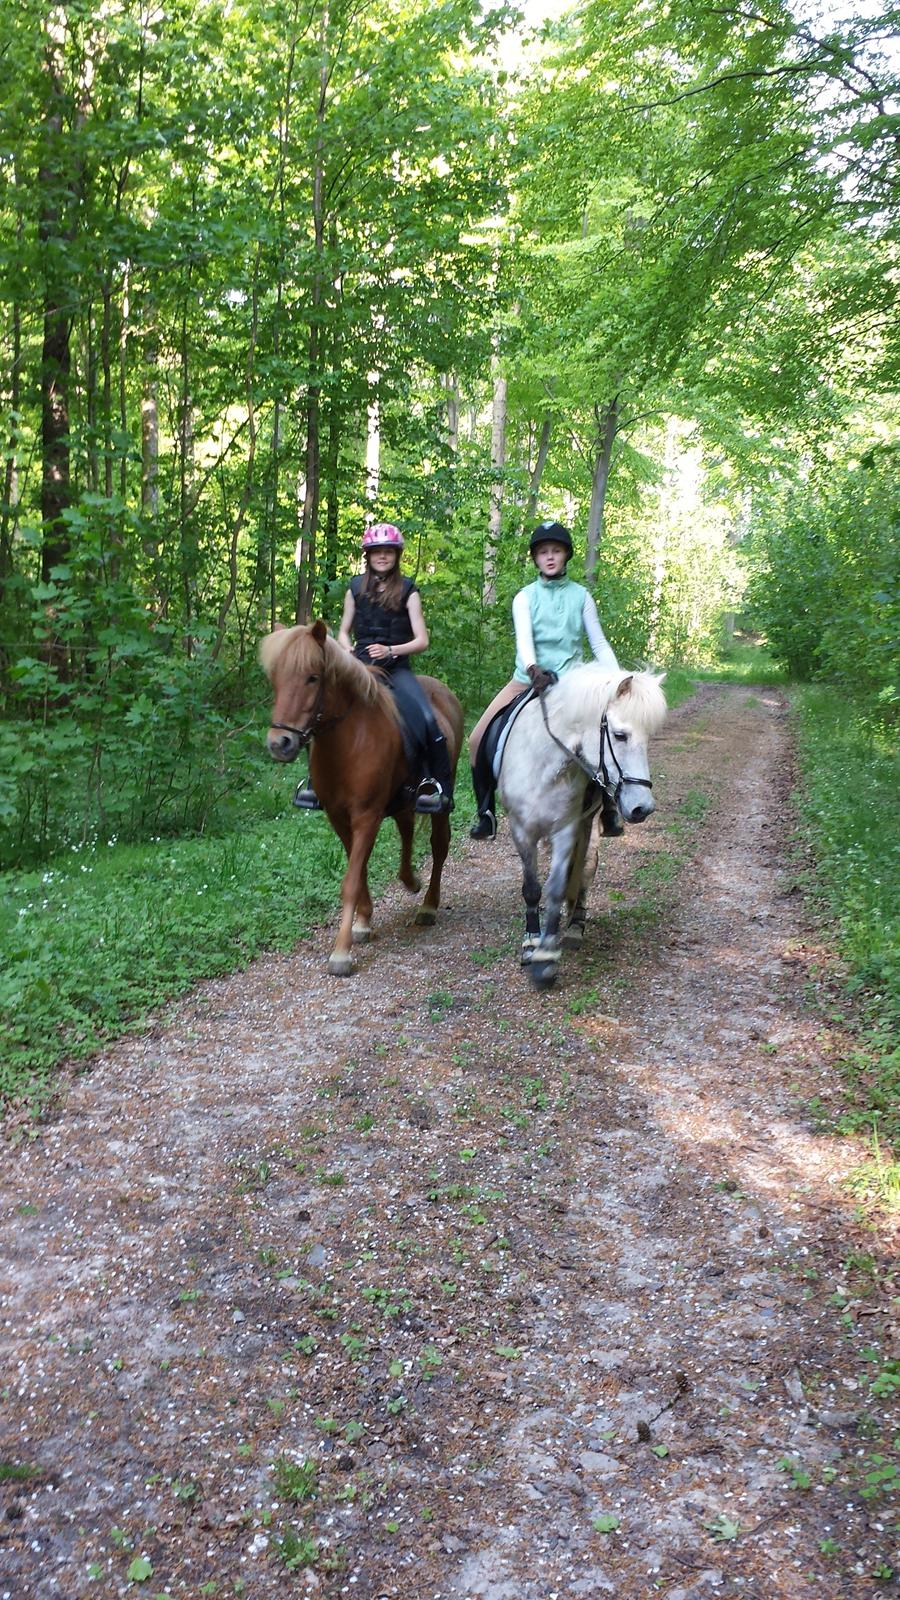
622, 737
312, 678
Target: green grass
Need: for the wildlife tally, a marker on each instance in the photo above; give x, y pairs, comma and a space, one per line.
740, 662
745, 662
849, 809
101, 935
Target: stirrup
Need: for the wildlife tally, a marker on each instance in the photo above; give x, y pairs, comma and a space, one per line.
484, 826
431, 799
306, 799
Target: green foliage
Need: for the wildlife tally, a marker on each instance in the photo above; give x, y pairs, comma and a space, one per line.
103, 934
827, 586
119, 733
850, 812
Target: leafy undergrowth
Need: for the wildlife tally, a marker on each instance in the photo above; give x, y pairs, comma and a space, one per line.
849, 809
103, 934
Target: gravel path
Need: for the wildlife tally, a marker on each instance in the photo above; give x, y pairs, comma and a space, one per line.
421, 1284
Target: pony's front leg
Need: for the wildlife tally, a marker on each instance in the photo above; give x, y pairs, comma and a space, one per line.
361, 928
354, 891
544, 966
581, 876
440, 848
531, 889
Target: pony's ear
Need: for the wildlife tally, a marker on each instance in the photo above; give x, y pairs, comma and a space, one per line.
319, 632
279, 628
661, 678
624, 686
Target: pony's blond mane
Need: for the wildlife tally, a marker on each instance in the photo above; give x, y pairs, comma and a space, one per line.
588, 690
296, 651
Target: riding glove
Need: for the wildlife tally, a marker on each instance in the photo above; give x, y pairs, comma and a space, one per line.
540, 680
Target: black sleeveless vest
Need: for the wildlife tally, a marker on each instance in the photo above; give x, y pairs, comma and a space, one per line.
373, 624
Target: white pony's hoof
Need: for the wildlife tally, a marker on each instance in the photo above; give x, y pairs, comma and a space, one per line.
340, 966
360, 934
544, 968
529, 945
425, 917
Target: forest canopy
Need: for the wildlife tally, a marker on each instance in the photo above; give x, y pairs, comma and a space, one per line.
270, 270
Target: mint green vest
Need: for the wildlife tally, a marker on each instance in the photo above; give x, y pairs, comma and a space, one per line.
556, 608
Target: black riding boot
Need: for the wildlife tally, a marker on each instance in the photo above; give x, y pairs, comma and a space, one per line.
435, 792
485, 824
611, 823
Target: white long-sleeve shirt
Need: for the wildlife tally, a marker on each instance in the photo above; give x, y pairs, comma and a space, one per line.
549, 617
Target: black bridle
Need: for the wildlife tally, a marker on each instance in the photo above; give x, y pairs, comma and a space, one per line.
316, 724
601, 775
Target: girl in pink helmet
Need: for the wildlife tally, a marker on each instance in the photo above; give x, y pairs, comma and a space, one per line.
383, 615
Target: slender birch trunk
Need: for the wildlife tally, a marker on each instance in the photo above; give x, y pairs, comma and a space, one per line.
306, 573
607, 426
495, 518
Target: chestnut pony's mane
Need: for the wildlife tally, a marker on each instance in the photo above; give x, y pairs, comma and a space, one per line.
296, 651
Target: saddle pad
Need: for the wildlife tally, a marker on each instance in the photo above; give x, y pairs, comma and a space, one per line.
490, 752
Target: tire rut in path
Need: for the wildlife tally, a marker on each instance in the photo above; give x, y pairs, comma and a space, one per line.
499, 1263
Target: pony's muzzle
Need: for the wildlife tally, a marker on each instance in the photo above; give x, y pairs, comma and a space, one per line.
282, 746
640, 812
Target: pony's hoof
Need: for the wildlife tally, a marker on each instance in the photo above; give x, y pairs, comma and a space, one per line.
425, 917
573, 936
360, 933
340, 966
543, 973
529, 945
412, 885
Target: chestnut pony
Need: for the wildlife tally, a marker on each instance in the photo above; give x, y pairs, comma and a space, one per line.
341, 709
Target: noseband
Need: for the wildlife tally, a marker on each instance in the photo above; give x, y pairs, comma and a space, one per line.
601, 776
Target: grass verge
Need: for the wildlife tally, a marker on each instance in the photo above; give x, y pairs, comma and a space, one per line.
103, 934
849, 811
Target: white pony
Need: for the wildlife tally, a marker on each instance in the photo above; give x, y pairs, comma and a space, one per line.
586, 734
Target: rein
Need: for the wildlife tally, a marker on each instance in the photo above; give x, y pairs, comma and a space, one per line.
601, 776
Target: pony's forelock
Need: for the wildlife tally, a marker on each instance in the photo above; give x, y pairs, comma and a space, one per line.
298, 651
643, 701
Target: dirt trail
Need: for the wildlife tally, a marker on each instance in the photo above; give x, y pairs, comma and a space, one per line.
542, 1285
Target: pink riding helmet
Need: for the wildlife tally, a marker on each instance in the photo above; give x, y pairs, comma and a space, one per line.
382, 536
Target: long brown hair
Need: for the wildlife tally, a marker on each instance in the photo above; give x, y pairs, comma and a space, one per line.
386, 591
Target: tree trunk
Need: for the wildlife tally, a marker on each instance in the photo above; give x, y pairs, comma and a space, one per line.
185, 485
534, 486
332, 488
495, 519
607, 427
56, 190
10, 473
150, 442
373, 446
452, 388
123, 385
106, 364
306, 572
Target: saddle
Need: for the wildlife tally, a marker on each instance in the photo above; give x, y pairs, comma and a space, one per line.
416, 736
490, 752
